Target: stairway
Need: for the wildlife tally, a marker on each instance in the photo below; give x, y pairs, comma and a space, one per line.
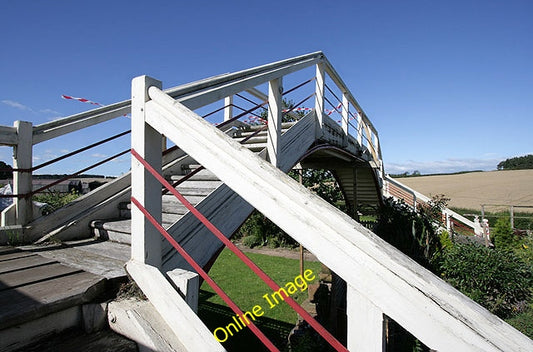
197, 189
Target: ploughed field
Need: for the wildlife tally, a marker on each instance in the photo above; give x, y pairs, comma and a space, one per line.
470, 190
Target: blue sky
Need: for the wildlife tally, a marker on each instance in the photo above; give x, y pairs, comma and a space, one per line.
448, 84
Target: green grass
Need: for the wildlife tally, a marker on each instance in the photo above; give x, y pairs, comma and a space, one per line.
247, 290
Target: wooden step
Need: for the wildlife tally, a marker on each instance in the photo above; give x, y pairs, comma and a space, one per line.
32, 291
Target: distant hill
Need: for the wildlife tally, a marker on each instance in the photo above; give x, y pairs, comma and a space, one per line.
470, 190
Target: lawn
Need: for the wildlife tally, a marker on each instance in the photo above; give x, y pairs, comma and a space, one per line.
247, 290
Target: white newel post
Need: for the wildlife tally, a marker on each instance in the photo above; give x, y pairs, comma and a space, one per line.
319, 95
228, 108
275, 90
145, 239
365, 323
22, 180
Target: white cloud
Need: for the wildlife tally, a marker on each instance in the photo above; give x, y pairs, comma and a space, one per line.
99, 155
16, 105
50, 112
442, 166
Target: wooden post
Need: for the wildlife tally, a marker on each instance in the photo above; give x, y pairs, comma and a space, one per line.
511, 211
319, 95
22, 180
360, 128
300, 178
275, 89
365, 323
145, 239
228, 108
345, 115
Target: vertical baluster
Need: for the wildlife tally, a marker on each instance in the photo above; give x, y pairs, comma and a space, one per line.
228, 108
319, 97
275, 89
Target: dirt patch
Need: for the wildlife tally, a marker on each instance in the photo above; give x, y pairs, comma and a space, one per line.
470, 190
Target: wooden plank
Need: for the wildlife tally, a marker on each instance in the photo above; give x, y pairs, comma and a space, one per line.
36, 300
23, 262
92, 262
14, 279
8, 135
108, 249
14, 254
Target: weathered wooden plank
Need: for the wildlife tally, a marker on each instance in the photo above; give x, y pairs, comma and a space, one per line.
14, 279
23, 262
90, 261
107, 249
8, 135
36, 300
13, 254
18, 336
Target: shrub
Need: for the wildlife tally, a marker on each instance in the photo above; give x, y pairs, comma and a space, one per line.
502, 234
56, 199
251, 241
494, 278
413, 233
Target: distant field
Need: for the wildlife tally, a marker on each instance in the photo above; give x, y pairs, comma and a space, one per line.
470, 190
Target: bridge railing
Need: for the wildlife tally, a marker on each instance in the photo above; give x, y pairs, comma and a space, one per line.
23, 136
381, 281
450, 219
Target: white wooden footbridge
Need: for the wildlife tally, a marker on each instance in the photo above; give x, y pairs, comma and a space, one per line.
215, 176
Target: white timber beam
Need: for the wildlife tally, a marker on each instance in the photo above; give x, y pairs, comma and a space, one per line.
22, 179
145, 239
275, 89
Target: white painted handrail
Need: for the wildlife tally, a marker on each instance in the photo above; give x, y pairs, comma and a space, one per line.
384, 280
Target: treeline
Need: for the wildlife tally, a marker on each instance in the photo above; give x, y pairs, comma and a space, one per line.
517, 163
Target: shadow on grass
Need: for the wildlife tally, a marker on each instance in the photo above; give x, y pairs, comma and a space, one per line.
216, 315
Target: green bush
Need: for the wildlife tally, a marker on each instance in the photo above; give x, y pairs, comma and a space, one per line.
258, 230
502, 234
251, 241
56, 199
496, 279
414, 233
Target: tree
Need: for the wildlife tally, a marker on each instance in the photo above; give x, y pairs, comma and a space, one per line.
6, 171
517, 163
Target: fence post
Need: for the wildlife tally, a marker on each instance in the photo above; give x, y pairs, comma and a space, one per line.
319, 95
275, 89
22, 179
365, 323
145, 239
